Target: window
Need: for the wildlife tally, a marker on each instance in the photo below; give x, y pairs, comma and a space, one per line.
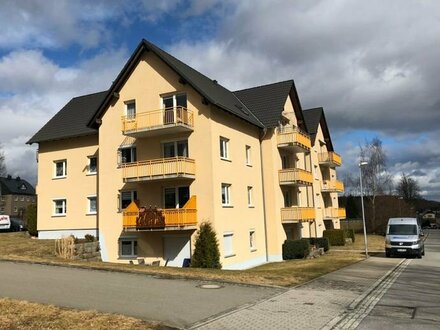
176, 197
22, 198
128, 155
3, 198
128, 248
250, 197
130, 109
252, 245
15, 198
15, 209
28, 199
2, 209
248, 156
173, 105
92, 205
224, 148
60, 207
93, 165
60, 168
127, 197
228, 248
175, 148
226, 194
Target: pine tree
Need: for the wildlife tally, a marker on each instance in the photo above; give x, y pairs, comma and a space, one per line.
206, 252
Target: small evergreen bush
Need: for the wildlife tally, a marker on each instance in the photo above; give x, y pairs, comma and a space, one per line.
206, 252
31, 219
89, 238
320, 242
336, 237
296, 249
349, 233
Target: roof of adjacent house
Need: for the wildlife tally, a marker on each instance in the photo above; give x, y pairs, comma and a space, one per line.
15, 186
313, 118
71, 120
210, 89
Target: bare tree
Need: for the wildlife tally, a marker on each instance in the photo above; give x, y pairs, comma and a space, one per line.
2, 162
375, 176
408, 188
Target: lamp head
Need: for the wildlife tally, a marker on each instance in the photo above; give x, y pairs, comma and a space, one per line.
362, 163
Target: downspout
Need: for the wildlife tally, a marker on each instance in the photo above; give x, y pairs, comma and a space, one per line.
264, 198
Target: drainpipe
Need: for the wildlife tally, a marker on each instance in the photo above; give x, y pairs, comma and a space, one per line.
264, 198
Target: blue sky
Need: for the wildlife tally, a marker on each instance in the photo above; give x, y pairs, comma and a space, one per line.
371, 65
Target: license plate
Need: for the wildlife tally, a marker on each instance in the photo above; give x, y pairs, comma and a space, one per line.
401, 250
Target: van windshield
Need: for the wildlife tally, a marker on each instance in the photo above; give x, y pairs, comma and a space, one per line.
403, 230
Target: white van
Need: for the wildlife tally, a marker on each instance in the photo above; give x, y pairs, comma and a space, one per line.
5, 222
404, 237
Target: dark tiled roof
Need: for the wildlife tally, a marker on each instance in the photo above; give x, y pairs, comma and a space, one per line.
208, 88
15, 186
314, 117
266, 102
71, 121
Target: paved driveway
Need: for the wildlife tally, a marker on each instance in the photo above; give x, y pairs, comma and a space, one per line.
177, 303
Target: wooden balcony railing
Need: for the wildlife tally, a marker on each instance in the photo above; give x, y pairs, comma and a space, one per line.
158, 169
142, 218
158, 119
292, 136
334, 212
296, 213
332, 186
295, 176
329, 158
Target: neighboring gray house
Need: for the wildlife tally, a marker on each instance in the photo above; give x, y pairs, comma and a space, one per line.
16, 195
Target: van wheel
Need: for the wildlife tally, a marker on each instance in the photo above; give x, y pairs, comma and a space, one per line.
423, 252
419, 255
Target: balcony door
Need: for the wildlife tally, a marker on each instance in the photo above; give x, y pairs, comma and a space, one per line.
176, 197
175, 148
170, 104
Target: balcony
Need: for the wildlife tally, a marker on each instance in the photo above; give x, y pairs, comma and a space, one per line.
158, 122
295, 176
334, 213
332, 186
155, 219
293, 138
297, 214
159, 169
330, 158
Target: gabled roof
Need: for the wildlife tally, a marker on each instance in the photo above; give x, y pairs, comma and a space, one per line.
71, 120
267, 102
15, 186
314, 117
212, 91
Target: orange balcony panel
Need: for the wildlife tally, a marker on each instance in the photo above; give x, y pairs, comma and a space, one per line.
295, 176
330, 158
297, 214
292, 137
158, 122
159, 169
334, 213
332, 186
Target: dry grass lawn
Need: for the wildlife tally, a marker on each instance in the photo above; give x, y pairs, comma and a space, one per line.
17, 314
375, 243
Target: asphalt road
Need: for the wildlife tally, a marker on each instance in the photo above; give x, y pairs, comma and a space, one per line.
413, 300
177, 303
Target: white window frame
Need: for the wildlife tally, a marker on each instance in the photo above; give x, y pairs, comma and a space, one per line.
248, 155
134, 247
89, 172
89, 198
28, 199
252, 240
127, 104
133, 154
250, 196
226, 187
132, 196
224, 148
228, 249
15, 209
21, 198
63, 206
64, 174
174, 97
15, 198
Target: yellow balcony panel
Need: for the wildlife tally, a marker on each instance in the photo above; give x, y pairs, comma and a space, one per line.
158, 122
341, 213
148, 219
332, 186
295, 176
159, 169
334, 213
297, 214
330, 158
294, 138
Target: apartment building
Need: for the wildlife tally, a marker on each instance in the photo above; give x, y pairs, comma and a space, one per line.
166, 148
16, 195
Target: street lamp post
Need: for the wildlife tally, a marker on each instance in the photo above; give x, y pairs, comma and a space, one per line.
363, 163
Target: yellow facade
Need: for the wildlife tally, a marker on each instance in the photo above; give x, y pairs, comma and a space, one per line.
258, 193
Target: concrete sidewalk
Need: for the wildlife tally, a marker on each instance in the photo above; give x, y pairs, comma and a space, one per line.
321, 303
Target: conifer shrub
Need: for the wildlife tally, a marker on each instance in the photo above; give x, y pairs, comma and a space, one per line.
349, 233
336, 237
31, 219
206, 251
320, 242
296, 249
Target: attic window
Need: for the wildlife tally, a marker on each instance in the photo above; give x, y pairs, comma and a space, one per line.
23, 187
